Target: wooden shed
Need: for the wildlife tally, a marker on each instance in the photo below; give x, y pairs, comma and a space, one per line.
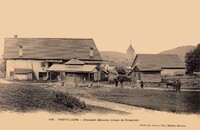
75, 72
150, 67
146, 74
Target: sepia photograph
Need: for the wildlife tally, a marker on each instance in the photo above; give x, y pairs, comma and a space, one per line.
72, 64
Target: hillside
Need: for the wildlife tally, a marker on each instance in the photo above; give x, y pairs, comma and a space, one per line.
112, 55
121, 58
180, 51
118, 57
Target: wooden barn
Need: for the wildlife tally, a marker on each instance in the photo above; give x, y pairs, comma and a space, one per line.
151, 67
30, 58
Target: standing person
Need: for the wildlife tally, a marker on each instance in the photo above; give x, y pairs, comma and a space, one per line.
142, 84
84, 79
132, 83
178, 85
59, 80
138, 83
116, 82
121, 81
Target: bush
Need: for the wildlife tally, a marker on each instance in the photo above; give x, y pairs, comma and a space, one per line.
68, 100
25, 98
192, 60
121, 69
2, 68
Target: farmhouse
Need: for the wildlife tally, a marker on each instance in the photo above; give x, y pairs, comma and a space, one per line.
151, 67
30, 58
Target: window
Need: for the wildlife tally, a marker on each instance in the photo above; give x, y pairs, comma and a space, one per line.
43, 64
50, 64
11, 75
42, 75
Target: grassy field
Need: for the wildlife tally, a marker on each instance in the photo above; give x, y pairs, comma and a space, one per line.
29, 98
170, 101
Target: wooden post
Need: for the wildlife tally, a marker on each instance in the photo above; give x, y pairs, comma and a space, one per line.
88, 79
50, 79
98, 77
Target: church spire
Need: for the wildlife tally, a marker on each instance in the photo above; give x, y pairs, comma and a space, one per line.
130, 53
130, 48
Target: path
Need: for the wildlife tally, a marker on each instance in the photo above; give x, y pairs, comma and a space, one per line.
145, 115
111, 105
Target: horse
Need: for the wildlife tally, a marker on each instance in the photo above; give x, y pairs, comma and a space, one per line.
170, 83
176, 84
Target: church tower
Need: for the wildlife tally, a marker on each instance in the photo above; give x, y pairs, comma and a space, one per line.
130, 54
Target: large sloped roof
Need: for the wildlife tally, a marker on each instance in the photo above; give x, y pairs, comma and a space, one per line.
51, 48
158, 61
147, 68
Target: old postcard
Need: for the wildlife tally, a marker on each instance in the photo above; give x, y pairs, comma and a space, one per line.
72, 64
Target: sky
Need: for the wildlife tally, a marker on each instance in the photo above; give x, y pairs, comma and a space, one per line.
151, 25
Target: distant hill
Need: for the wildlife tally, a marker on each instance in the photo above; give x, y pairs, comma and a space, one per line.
121, 58
118, 57
180, 51
113, 55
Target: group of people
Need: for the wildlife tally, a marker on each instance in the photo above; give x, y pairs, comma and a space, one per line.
118, 79
138, 83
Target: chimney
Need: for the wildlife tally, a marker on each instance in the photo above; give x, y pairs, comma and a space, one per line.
91, 52
20, 51
75, 56
15, 36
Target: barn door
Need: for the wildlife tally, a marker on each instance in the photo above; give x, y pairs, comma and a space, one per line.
11, 75
138, 75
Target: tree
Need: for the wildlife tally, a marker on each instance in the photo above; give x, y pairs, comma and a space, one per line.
192, 60
121, 69
2, 68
